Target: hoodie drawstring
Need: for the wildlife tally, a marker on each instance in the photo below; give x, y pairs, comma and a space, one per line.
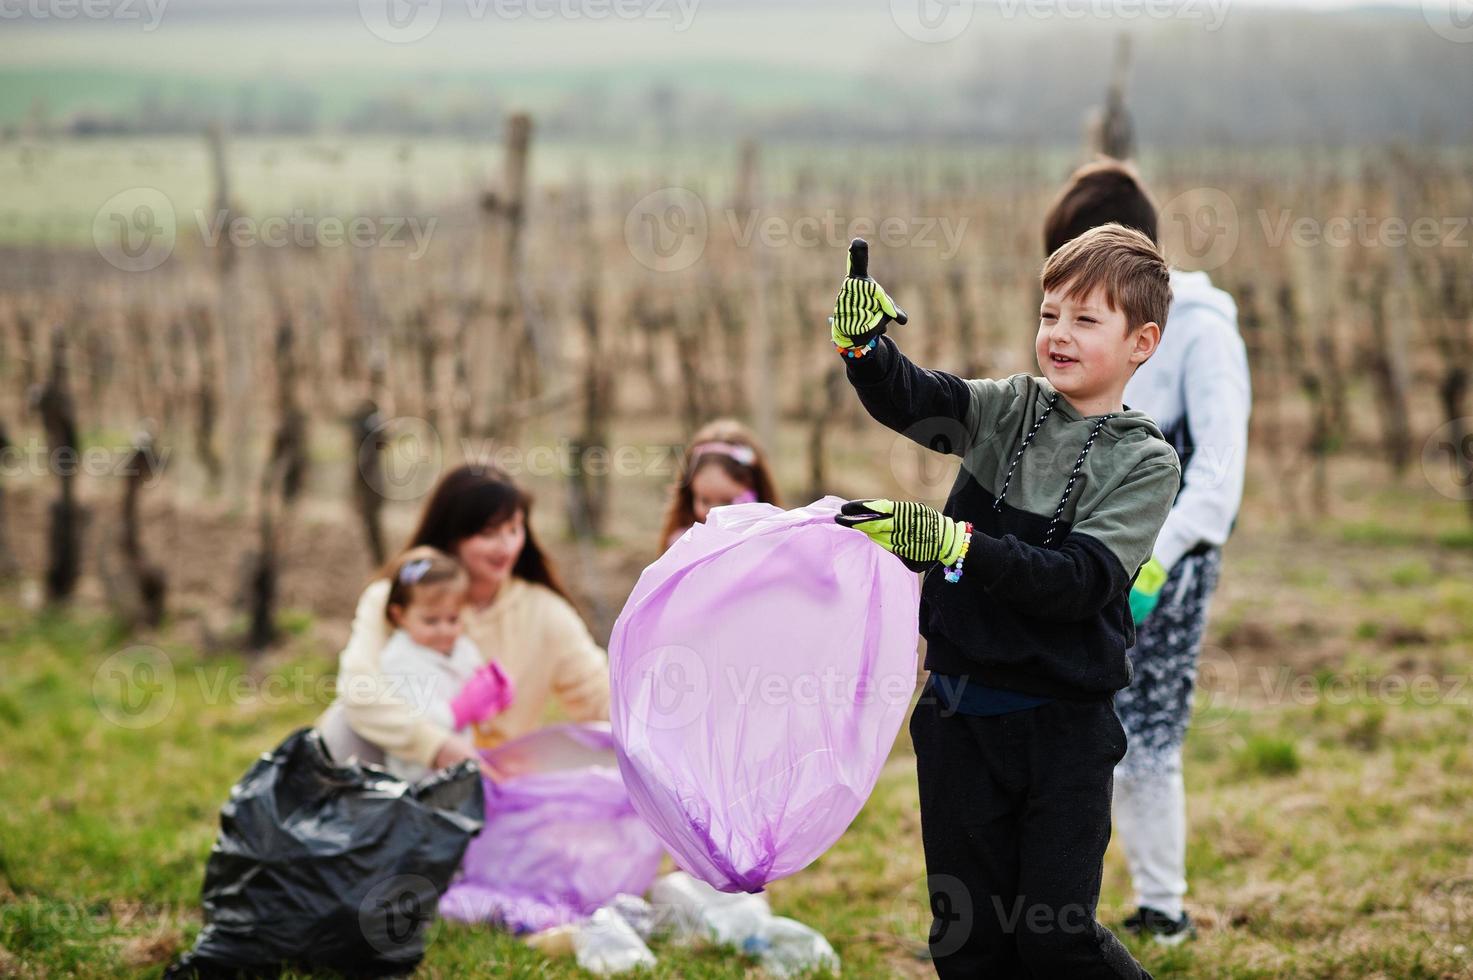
1027, 441
1073, 474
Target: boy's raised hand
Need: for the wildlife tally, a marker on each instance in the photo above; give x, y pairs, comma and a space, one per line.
863, 308
918, 535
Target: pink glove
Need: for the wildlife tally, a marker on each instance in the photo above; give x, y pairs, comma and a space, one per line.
488, 692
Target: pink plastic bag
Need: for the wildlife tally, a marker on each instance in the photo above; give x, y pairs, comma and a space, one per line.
760, 672
560, 837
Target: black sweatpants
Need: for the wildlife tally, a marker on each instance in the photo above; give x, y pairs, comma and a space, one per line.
1015, 817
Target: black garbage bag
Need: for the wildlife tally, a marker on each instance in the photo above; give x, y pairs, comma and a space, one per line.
321, 866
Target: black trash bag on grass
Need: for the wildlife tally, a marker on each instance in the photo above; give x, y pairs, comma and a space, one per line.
321, 866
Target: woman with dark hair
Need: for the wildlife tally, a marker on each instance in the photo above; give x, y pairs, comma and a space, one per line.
517, 613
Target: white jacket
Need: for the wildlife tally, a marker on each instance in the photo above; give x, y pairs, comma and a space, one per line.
426, 681
1196, 387
534, 633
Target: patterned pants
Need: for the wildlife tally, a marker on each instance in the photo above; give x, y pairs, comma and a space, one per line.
1149, 798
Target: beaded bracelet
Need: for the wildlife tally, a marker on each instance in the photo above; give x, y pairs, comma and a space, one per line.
954, 572
857, 351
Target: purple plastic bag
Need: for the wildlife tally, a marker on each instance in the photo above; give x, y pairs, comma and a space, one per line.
760, 672
560, 837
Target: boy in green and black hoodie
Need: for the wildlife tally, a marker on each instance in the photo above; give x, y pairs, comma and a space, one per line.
1024, 607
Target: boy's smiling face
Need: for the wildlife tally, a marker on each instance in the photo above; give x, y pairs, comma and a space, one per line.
1086, 349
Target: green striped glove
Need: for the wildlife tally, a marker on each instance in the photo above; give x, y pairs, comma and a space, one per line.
863, 308
1147, 590
918, 535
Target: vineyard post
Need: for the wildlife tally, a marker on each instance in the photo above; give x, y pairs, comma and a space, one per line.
237, 332
136, 592
588, 491
68, 518
9, 567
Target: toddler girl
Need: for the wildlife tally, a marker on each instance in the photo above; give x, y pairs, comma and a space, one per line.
437, 671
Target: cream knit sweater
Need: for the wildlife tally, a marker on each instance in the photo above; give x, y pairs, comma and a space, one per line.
536, 636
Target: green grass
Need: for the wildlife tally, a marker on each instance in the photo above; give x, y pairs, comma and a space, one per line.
1264, 755
1303, 834
1329, 831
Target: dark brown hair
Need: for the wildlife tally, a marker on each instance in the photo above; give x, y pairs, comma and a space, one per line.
471, 498
1107, 191
756, 475
1122, 262
419, 570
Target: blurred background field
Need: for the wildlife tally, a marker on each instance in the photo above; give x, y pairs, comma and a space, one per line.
582, 239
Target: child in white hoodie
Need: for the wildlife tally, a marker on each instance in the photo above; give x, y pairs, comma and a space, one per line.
434, 669
1196, 388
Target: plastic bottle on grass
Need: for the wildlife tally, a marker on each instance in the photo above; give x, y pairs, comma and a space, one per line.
692, 910
606, 945
787, 948
640, 915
